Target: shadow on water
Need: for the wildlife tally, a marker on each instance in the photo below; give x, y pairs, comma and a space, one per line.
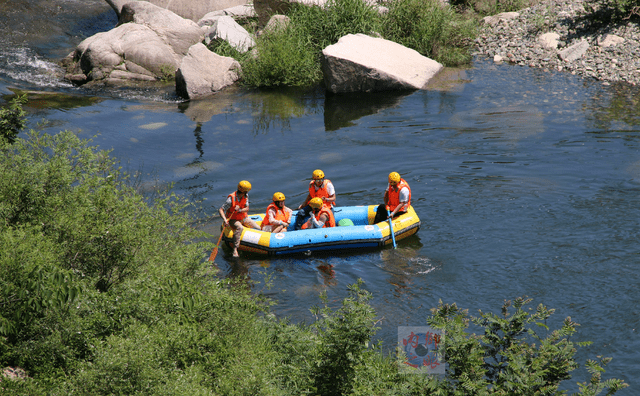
340, 110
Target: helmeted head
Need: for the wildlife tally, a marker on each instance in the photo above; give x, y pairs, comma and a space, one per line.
316, 203
394, 178
278, 197
244, 186
318, 174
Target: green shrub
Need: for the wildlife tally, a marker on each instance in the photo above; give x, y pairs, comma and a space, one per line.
285, 58
291, 56
12, 119
434, 30
511, 358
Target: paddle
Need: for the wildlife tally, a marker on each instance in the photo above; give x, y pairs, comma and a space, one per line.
393, 235
214, 252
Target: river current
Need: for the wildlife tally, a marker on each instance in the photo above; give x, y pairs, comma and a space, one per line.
527, 182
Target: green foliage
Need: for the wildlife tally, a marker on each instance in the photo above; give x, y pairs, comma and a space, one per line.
12, 119
434, 30
285, 58
511, 358
290, 56
343, 339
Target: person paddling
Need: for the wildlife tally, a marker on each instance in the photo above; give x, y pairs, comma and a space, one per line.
278, 216
234, 213
321, 217
319, 187
397, 198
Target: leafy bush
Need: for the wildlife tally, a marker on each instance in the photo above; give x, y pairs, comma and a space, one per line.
434, 30
285, 58
291, 56
511, 358
12, 119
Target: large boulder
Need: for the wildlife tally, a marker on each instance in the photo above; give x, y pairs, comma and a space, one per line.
226, 28
203, 73
360, 63
148, 44
189, 9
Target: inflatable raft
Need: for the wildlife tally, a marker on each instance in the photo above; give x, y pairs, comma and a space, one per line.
359, 233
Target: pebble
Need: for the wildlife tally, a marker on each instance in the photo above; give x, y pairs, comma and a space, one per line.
516, 39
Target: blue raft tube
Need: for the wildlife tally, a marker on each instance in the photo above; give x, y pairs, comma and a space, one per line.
354, 230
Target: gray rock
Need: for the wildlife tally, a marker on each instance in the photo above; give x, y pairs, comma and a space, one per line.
189, 9
609, 40
203, 73
238, 12
549, 40
574, 52
360, 63
225, 28
149, 41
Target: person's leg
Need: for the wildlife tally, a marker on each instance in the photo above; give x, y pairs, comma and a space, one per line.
247, 222
301, 217
236, 225
381, 214
279, 228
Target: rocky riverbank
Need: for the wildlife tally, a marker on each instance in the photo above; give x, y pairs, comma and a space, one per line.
555, 35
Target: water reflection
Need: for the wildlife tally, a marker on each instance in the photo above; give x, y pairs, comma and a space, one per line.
340, 110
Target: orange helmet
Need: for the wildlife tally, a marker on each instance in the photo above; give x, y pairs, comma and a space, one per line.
277, 197
394, 178
316, 203
244, 186
318, 174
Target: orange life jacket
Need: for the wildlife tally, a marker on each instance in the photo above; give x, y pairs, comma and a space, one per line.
326, 210
322, 191
281, 214
234, 201
394, 196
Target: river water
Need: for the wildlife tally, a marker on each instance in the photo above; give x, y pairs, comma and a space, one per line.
527, 182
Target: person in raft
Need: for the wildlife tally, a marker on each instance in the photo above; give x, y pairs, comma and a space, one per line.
322, 215
278, 216
319, 187
234, 213
397, 198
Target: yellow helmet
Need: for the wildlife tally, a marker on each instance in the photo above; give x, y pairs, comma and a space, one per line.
394, 178
244, 186
316, 203
277, 197
318, 174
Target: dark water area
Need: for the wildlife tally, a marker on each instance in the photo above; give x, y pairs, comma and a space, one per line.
527, 183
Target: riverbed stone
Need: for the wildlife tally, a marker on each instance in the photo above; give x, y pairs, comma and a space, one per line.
608, 40
549, 40
237, 13
574, 52
203, 73
516, 42
189, 9
226, 28
360, 63
149, 41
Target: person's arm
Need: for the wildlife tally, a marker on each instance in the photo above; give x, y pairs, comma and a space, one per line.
223, 209
403, 197
332, 193
318, 223
306, 202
